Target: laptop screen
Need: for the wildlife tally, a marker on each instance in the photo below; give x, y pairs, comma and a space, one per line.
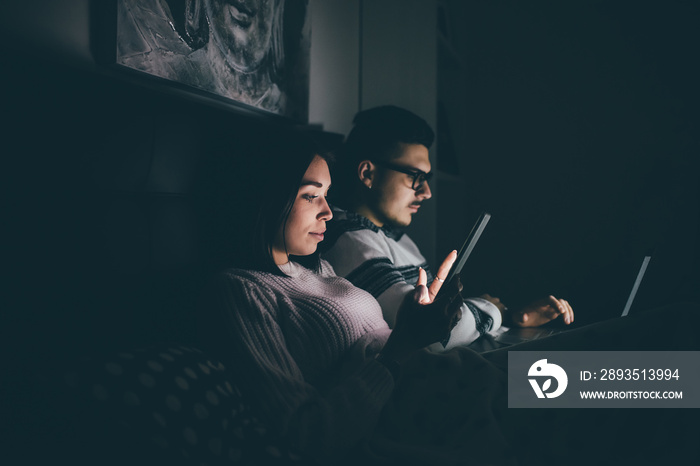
635, 287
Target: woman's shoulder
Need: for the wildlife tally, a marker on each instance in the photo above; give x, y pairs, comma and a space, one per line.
293, 277
234, 273
250, 292
246, 281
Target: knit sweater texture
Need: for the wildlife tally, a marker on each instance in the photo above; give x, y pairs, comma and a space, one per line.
303, 347
384, 262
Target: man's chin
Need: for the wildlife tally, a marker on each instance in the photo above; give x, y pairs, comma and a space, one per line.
400, 222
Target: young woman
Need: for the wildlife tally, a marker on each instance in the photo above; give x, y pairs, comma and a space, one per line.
312, 351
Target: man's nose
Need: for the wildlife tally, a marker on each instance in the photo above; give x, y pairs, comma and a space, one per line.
424, 192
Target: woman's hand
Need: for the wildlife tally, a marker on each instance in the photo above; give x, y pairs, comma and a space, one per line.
418, 324
444, 269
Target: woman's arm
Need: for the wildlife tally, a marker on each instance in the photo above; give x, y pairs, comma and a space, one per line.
320, 424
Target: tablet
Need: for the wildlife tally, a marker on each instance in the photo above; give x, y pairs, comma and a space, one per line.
468, 245
466, 250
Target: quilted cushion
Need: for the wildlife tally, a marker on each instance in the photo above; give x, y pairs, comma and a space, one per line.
175, 400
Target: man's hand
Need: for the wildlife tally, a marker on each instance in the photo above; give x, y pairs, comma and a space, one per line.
542, 311
496, 302
535, 314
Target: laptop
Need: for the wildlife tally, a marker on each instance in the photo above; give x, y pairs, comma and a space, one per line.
517, 335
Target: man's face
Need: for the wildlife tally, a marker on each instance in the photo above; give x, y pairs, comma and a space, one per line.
242, 30
392, 199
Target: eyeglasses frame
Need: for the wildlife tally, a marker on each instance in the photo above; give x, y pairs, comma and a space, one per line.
414, 172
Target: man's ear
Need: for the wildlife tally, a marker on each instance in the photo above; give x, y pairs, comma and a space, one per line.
365, 172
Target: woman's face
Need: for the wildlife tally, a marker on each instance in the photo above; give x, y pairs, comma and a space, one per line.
306, 223
242, 30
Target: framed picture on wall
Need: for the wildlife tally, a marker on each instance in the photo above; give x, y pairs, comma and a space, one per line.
253, 53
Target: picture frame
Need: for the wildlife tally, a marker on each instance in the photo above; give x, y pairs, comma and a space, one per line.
250, 57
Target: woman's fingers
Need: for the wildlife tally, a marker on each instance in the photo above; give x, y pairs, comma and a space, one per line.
442, 273
422, 322
422, 277
446, 265
421, 294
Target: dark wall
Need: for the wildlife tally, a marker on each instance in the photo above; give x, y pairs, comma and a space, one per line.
582, 129
582, 144
101, 173
114, 190
106, 244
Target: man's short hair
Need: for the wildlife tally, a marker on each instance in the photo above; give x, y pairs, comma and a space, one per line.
377, 133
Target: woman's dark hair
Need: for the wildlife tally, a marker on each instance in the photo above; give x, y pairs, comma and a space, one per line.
249, 199
281, 189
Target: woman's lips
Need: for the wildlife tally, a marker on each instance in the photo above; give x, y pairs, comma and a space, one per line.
318, 235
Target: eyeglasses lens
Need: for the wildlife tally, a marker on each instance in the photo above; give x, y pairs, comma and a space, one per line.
419, 180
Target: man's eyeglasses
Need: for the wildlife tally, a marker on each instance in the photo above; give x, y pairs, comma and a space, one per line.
419, 176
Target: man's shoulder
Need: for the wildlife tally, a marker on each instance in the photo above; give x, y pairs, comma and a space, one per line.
345, 222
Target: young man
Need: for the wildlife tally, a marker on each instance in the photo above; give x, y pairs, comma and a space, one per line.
380, 182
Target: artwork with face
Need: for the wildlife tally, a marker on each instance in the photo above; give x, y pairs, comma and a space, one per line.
252, 51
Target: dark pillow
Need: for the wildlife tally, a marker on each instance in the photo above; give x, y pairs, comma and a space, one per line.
168, 403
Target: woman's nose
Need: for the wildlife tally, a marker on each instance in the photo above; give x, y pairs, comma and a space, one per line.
326, 213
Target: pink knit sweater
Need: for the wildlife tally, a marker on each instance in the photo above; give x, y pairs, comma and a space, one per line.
304, 346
